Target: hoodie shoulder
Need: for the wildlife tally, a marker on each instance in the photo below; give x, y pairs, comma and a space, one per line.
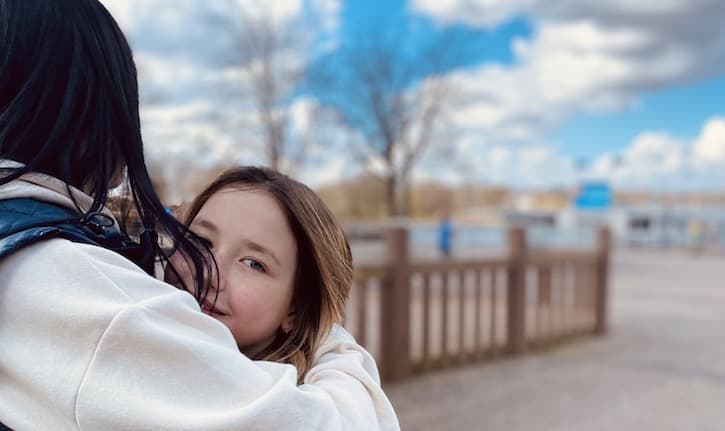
81, 269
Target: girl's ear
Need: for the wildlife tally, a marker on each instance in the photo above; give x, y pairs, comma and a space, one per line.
289, 321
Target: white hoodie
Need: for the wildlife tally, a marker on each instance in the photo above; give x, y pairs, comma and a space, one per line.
88, 341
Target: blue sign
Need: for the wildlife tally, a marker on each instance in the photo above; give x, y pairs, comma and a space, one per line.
594, 196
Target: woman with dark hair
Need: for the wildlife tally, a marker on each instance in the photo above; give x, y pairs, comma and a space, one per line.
90, 340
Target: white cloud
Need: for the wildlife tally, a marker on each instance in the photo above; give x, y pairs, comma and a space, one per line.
197, 107
710, 146
484, 13
301, 112
583, 56
327, 172
278, 12
653, 160
657, 160
527, 166
329, 11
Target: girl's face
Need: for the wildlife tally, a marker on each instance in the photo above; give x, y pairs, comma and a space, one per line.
256, 254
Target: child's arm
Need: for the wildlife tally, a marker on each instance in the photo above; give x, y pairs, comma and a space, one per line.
349, 374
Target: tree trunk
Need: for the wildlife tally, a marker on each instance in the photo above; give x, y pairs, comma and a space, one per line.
397, 195
273, 143
403, 198
391, 196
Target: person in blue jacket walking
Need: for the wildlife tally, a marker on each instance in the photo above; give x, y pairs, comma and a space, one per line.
445, 235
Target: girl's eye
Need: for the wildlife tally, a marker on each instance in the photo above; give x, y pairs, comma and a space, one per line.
253, 264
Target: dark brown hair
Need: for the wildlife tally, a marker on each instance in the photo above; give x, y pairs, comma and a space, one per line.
69, 109
323, 275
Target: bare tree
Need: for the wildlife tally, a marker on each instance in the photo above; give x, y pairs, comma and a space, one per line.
270, 62
389, 92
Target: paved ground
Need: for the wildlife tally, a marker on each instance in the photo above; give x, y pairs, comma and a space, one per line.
662, 367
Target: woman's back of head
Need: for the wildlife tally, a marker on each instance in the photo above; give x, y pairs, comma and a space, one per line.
69, 106
68, 91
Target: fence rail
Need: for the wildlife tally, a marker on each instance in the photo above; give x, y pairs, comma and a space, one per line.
416, 317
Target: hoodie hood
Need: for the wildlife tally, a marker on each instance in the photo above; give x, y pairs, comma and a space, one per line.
45, 188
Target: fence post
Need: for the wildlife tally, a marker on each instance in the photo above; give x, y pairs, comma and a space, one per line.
516, 304
602, 281
395, 326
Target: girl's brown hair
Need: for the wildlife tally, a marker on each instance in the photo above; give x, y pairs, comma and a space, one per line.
324, 263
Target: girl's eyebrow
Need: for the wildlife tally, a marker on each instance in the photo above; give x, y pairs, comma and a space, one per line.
205, 224
261, 249
248, 243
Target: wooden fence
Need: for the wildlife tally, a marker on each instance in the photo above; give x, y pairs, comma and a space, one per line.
416, 317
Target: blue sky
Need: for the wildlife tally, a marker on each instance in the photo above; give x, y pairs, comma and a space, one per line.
550, 92
486, 45
678, 109
643, 119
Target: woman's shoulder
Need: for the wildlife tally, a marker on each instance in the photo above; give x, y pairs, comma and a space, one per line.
79, 268
71, 257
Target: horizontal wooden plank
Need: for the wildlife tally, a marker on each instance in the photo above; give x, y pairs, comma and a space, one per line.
459, 265
362, 273
536, 258
557, 257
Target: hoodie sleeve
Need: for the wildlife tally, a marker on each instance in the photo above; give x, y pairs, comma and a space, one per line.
162, 365
115, 349
348, 373
91, 342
